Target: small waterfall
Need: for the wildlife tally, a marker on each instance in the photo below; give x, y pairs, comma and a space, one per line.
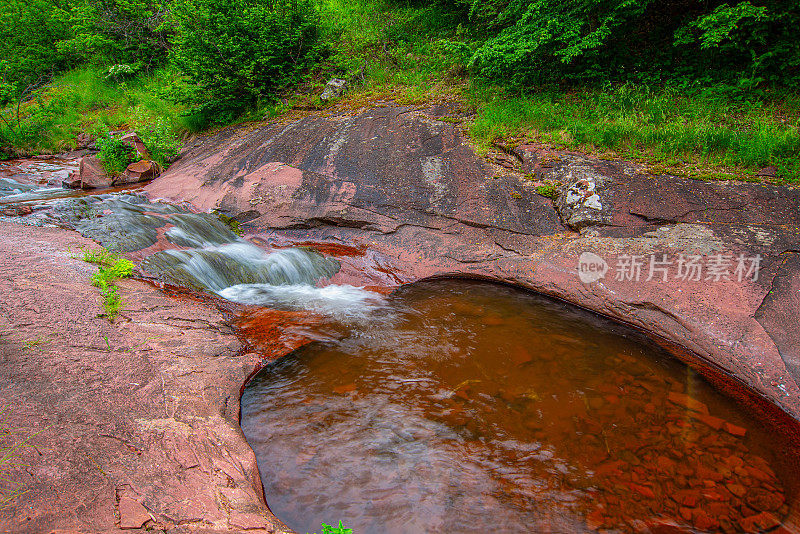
217, 267
213, 258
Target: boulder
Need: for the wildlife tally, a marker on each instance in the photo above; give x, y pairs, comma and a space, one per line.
333, 89
583, 200
92, 175
73, 180
139, 171
132, 139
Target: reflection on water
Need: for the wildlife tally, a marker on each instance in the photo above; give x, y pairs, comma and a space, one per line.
481, 408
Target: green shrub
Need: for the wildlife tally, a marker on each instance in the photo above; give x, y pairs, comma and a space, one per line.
744, 45
161, 141
235, 53
114, 154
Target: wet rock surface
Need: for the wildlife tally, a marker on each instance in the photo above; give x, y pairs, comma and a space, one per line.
123, 426
404, 185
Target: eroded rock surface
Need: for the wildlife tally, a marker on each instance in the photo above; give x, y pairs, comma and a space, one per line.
404, 185
123, 426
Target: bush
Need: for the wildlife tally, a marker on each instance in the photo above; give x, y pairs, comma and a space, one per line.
114, 154
235, 53
591, 41
160, 141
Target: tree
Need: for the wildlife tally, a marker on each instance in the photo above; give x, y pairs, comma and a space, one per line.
237, 52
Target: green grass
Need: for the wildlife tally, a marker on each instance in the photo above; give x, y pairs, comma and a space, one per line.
700, 131
84, 100
112, 268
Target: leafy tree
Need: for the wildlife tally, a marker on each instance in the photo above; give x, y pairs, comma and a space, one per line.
113, 32
595, 41
237, 52
29, 33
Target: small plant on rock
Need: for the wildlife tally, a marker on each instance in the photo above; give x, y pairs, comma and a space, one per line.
327, 529
548, 190
112, 267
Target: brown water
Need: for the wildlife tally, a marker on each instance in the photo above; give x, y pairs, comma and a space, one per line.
472, 407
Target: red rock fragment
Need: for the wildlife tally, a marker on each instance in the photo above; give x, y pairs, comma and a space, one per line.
714, 422
702, 520
132, 514
736, 489
735, 430
758, 474
687, 402
344, 389
596, 519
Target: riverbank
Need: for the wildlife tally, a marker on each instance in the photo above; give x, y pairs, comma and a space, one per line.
124, 425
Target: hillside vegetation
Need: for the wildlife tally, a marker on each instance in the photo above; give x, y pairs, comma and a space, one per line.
705, 89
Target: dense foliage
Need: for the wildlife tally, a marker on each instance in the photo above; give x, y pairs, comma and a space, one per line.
712, 82
745, 44
236, 52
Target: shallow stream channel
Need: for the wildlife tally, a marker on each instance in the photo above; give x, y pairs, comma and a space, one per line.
455, 405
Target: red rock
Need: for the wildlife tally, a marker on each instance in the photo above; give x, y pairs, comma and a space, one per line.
132, 514
769, 171
92, 174
643, 490
735, 430
736, 489
520, 355
759, 474
714, 422
101, 422
667, 526
139, 171
249, 521
16, 211
702, 520
73, 180
134, 141
686, 513
596, 519
687, 402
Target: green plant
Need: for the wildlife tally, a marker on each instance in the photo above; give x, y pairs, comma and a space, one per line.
235, 53
115, 155
160, 139
548, 190
111, 268
327, 529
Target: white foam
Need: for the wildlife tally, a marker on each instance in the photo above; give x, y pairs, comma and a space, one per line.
341, 302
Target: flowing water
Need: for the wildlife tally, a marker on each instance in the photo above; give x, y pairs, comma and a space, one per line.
470, 407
